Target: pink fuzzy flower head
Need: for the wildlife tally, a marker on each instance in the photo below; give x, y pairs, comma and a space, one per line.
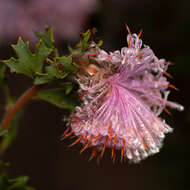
123, 93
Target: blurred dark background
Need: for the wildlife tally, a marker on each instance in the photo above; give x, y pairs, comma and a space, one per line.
38, 151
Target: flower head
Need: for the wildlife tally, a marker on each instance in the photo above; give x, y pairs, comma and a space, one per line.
123, 93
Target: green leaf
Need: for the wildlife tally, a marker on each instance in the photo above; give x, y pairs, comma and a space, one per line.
83, 44
47, 37
11, 133
42, 80
28, 63
100, 43
19, 183
86, 37
59, 68
68, 87
67, 63
59, 97
52, 73
77, 50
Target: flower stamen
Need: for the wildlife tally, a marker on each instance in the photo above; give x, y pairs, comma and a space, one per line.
104, 147
110, 132
167, 74
85, 138
84, 94
126, 26
172, 86
67, 135
122, 154
94, 151
87, 145
96, 138
139, 34
75, 142
167, 111
113, 154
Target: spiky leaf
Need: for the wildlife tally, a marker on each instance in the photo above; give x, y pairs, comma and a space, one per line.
85, 40
67, 63
53, 72
47, 37
28, 63
83, 44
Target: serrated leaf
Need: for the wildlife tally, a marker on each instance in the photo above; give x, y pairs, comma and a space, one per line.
67, 63
28, 63
83, 44
52, 73
100, 43
58, 98
75, 50
86, 37
47, 37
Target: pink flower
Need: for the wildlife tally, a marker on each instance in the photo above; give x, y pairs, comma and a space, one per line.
123, 95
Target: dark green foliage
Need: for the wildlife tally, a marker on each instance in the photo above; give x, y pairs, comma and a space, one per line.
83, 44
52, 73
85, 40
28, 63
39, 65
32, 64
48, 39
59, 68
19, 183
59, 97
67, 64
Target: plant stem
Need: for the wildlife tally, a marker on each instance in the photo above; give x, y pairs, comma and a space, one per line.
11, 111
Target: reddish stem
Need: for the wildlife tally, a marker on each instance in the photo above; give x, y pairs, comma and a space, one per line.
11, 112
